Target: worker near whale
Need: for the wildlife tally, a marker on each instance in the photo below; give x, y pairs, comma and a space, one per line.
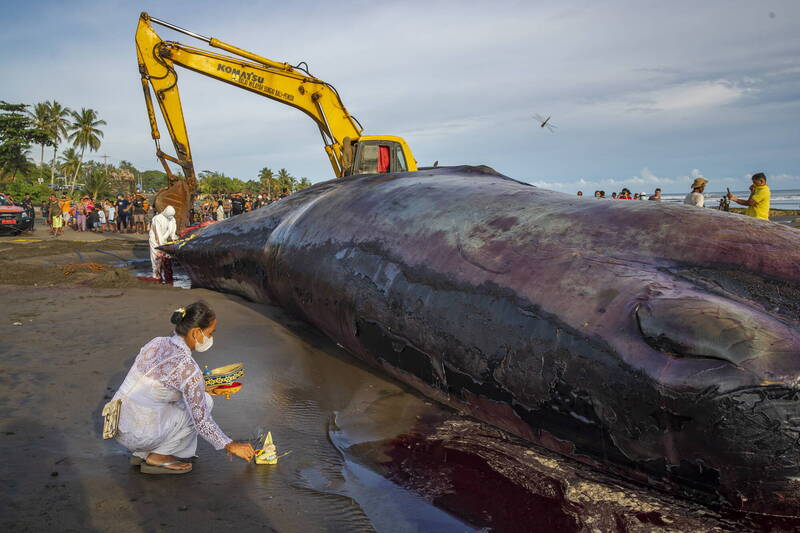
162, 230
164, 402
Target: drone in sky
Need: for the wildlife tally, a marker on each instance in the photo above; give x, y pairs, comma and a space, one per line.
545, 122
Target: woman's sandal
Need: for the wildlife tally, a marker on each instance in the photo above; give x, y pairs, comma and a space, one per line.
162, 468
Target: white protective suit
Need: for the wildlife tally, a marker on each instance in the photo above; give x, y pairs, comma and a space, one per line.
162, 230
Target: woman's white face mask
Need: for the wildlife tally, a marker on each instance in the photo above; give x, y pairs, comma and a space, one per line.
207, 343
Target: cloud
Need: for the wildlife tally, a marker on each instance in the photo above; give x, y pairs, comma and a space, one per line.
646, 91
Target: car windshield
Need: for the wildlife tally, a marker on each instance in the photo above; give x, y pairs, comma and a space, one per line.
4, 201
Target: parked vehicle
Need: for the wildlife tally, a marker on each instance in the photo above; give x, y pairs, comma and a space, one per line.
13, 218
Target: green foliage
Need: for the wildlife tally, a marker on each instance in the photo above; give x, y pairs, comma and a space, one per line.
153, 180
85, 133
303, 183
41, 117
252, 186
57, 123
17, 133
97, 184
70, 162
212, 182
29, 183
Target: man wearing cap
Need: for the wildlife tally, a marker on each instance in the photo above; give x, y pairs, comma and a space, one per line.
696, 197
758, 202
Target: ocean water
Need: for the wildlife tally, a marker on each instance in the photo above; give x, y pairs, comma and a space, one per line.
781, 198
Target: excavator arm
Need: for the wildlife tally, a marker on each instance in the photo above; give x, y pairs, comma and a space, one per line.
348, 151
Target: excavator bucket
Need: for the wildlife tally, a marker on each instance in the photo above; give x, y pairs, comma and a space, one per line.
179, 196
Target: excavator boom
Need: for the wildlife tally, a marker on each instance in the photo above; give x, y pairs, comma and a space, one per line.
348, 151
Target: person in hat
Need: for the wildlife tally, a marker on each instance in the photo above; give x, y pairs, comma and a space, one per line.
696, 197
758, 202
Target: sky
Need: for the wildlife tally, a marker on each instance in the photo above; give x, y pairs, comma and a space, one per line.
643, 94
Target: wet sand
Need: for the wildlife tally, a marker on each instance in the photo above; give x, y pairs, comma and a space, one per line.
367, 453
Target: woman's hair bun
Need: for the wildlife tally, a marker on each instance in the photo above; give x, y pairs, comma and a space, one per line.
196, 315
178, 315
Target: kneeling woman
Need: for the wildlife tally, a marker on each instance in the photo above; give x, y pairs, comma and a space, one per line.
164, 402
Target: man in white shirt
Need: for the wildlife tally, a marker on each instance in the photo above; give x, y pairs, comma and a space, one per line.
162, 230
696, 197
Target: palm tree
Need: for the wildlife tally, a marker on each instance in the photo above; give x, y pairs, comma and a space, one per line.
40, 116
70, 161
97, 184
286, 182
57, 127
265, 176
85, 134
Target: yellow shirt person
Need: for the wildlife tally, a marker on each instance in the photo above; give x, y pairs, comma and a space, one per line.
758, 203
760, 206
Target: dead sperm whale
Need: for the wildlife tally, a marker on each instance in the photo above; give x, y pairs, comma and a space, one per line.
660, 342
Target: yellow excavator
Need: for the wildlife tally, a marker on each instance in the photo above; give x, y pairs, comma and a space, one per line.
349, 152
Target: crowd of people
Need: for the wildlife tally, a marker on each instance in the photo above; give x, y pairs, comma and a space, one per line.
220, 207
130, 213
133, 213
757, 203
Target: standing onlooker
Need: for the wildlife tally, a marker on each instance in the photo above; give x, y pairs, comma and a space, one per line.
111, 217
148, 215
80, 214
65, 207
56, 216
613, 195
92, 218
220, 212
624, 194
27, 204
122, 214
101, 217
580, 194
237, 205
758, 202
46, 212
656, 196
696, 197
137, 208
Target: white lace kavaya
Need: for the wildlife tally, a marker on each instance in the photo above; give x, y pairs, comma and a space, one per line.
165, 405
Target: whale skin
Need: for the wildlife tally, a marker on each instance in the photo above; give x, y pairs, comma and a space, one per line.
656, 341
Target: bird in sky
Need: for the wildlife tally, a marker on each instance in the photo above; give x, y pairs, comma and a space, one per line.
545, 122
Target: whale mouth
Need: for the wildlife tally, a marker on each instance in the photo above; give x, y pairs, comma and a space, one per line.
711, 327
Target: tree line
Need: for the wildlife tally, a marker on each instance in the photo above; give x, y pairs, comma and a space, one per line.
269, 182
51, 125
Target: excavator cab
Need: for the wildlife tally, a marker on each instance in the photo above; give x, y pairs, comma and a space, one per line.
380, 155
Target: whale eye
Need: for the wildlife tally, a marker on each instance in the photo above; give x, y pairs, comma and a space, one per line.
718, 328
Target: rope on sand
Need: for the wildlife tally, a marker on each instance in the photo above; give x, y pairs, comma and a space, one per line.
71, 268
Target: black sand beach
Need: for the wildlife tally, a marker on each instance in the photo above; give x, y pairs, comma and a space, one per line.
367, 454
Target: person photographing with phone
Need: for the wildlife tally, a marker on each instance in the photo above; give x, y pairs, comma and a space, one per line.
758, 202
